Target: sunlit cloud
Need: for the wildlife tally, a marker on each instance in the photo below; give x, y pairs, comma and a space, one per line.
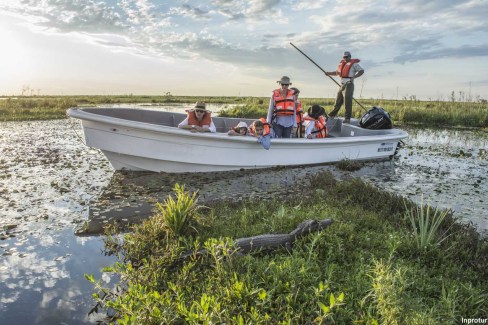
250, 35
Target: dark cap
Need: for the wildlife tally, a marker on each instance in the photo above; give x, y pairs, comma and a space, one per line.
316, 110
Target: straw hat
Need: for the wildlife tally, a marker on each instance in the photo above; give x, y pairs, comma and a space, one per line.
200, 105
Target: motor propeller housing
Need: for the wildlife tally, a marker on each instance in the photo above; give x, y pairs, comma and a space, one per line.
376, 119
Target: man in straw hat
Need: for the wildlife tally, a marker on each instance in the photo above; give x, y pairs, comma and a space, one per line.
348, 70
282, 109
198, 119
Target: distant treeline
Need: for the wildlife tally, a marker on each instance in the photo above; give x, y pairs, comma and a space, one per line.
403, 112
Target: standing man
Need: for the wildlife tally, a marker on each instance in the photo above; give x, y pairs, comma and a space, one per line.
348, 70
282, 109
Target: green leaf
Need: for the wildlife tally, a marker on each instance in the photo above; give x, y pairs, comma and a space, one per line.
332, 300
262, 295
341, 297
324, 308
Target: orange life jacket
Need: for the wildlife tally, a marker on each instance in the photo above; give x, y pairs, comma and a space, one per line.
344, 67
206, 120
320, 128
266, 127
300, 129
284, 105
299, 113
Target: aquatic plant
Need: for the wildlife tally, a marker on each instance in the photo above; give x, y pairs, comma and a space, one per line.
425, 222
177, 214
349, 165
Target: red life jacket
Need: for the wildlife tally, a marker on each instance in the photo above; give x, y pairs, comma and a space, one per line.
320, 128
299, 113
266, 127
344, 67
300, 129
284, 105
206, 120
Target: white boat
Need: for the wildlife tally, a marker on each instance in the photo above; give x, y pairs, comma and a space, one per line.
144, 139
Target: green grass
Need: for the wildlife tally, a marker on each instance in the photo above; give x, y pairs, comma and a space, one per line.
366, 268
403, 112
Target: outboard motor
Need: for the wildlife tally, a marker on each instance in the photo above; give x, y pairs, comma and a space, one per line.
376, 119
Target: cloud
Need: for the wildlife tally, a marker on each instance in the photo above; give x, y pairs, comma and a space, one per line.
195, 13
69, 16
257, 31
442, 53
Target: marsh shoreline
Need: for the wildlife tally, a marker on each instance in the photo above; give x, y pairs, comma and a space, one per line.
50, 181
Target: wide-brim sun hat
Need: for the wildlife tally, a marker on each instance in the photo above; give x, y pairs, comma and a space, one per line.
284, 80
199, 106
242, 125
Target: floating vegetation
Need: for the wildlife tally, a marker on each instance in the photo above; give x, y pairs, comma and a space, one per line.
349, 165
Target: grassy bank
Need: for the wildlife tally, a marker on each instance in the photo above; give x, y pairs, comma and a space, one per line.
403, 112
408, 112
54, 107
376, 264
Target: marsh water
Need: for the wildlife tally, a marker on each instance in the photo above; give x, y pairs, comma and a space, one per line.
50, 184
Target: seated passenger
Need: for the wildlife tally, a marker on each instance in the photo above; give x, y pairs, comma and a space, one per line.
259, 128
240, 129
198, 120
314, 123
299, 131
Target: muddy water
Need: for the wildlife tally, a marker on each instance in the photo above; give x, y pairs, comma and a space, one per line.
445, 168
52, 186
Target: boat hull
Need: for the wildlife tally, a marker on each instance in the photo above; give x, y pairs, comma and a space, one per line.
136, 144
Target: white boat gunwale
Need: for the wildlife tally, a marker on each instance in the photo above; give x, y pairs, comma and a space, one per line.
79, 113
137, 139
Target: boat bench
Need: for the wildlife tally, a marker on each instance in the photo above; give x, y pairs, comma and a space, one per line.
222, 125
338, 129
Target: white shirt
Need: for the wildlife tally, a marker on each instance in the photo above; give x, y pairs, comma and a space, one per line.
211, 128
309, 127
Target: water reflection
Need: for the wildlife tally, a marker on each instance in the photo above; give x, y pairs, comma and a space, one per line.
447, 168
215, 108
47, 180
45, 283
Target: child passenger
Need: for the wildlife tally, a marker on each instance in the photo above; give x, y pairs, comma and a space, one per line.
259, 128
314, 123
240, 129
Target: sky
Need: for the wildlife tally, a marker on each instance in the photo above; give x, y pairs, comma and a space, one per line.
408, 48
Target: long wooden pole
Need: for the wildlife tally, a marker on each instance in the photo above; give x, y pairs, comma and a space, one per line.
318, 66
